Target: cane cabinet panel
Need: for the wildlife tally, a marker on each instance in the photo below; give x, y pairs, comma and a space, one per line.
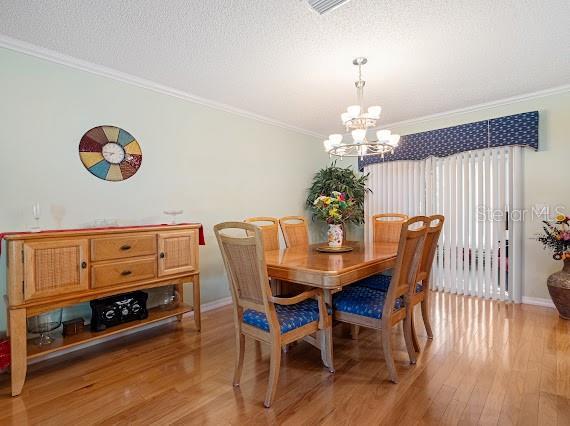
175, 252
53, 268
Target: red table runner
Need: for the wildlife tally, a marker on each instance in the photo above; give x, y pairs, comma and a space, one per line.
201, 238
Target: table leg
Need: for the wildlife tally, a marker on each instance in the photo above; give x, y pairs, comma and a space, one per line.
18, 349
325, 335
196, 301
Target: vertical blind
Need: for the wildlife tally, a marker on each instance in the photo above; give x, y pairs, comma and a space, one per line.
477, 192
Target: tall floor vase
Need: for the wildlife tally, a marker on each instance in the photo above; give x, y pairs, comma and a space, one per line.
559, 289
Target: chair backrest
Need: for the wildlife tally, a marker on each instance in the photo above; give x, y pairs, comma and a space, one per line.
386, 227
410, 248
244, 260
270, 229
430, 245
295, 231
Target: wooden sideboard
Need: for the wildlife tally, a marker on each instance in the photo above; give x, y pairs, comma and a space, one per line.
50, 270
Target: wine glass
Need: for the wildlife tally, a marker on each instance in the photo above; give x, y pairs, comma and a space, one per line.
173, 213
36, 213
44, 324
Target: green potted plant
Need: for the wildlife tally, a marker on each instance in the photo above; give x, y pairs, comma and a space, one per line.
344, 181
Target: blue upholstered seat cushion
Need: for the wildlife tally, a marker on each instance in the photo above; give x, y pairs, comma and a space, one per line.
361, 300
290, 316
381, 282
376, 282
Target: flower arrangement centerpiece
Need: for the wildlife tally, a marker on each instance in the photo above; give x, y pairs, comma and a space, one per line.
556, 237
335, 209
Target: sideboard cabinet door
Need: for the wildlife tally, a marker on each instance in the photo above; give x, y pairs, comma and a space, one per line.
177, 252
53, 268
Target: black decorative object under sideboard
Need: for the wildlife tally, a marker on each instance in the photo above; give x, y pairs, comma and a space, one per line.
119, 309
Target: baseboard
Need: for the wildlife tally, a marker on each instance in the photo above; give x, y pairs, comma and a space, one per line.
538, 301
215, 304
210, 306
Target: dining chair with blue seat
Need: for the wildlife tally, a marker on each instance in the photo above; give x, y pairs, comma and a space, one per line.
421, 293
386, 228
295, 231
373, 308
258, 314
270, 230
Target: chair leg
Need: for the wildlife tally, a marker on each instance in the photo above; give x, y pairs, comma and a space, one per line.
387, 347
274, 365
354, 330
325, 340
407, 327
425, 316
240, 350
415, 340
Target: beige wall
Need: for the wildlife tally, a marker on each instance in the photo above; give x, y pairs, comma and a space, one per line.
215, 165
546, 173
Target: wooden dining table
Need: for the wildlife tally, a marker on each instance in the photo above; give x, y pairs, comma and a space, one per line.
329, 271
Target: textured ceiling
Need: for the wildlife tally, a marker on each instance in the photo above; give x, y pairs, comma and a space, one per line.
279, 59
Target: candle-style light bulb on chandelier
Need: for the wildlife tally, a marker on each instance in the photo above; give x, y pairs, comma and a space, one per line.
357, 122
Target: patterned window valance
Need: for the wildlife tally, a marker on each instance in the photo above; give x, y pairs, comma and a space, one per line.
519, 129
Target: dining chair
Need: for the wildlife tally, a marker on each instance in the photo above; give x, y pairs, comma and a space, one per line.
421, 293
381, 310
421, 290
257, 313
295, 231
386, 227
270, 229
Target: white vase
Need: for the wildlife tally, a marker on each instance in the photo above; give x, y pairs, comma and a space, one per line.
335, 235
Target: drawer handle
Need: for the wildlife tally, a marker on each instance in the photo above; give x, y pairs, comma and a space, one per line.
162, 255
126, 247
83, 265
125, 273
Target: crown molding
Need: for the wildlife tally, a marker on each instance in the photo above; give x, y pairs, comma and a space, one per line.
481, 107
72, 62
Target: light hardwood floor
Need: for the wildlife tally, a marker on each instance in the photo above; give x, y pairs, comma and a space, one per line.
489, 363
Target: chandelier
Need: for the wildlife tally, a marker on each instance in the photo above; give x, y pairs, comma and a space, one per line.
357, 121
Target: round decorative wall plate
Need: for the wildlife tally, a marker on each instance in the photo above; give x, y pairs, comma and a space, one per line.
110, 153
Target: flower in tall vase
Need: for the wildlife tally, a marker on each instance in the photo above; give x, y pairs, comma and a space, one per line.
335, 209
556, 237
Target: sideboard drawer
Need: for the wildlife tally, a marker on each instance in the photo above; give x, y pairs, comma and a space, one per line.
109, 274
122, 247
